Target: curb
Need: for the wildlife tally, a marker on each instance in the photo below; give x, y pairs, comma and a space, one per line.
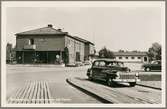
149, 86
103, 100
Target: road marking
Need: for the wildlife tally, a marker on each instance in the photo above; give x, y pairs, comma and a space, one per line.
33, 92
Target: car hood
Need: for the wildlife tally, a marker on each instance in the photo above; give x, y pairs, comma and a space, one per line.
145, 65
120, 68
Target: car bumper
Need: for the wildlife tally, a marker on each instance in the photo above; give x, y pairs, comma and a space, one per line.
126, 80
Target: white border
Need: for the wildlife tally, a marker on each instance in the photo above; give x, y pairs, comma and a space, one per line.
5, 4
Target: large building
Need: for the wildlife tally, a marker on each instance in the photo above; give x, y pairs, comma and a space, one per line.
47, 45
133, 60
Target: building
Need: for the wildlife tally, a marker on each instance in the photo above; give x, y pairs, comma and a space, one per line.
47, 45
133, 60
89, 48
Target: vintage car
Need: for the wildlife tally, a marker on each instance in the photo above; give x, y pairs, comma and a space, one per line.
112, 71
154, 65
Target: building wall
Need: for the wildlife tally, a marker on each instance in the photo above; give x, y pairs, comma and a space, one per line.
130, 59
73, 47
89, 49
133, 64
92, 48
43, 43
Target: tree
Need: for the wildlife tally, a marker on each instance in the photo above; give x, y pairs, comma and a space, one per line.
154, 52
8, 53
121, 50
106, 53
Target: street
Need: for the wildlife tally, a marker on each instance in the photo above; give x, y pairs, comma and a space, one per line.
60, 90
52, 79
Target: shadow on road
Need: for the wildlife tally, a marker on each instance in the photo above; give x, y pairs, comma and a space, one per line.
116, 85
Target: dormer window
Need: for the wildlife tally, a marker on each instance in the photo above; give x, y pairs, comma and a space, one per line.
31, 41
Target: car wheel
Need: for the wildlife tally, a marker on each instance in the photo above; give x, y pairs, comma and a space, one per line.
110, 82
132, 84
147, 69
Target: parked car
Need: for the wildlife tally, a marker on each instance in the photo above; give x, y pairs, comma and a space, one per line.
154, 65
112, 72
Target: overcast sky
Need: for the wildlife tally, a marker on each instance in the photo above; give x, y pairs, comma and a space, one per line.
127, 28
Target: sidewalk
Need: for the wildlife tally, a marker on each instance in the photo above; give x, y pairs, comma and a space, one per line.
151, 84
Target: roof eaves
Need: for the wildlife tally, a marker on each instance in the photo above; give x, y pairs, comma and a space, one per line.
85, 41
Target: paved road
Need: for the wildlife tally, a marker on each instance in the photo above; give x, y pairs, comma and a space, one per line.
121, 93
60, 90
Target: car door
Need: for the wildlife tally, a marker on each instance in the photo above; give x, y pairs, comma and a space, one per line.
156, 66
95, 66
100, 74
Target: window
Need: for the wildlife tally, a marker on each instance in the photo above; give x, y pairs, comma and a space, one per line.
31, 41
120, 57
132, 57
102, 63
126, 57
77, 56
139, 57
145, 59
96, 63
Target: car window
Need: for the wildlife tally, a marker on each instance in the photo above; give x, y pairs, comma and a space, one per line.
120, 64
109, 64
102, 64
96, 63
155, 62
115, 64
159, 62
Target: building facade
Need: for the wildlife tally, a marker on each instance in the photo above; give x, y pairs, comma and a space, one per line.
47, 45
133, 60
89, 48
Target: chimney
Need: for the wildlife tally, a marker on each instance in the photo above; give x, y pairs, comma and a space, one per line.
50, 25
59, 29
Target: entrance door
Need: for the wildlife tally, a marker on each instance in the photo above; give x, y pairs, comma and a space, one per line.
77, 56
29, 57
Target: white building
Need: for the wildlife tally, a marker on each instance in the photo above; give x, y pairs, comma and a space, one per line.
133, 60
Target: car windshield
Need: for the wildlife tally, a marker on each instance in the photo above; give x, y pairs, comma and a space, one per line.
115, 64
155, 62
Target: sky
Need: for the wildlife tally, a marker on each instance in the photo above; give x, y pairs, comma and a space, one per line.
127, 28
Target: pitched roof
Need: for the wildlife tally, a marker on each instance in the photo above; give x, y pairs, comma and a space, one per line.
49, 30
45, 30
130, 53
83, 40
